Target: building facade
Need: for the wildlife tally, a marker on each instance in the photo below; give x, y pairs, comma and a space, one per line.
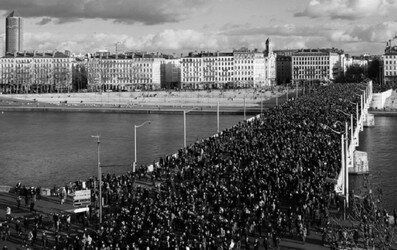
34, 72
14, 33
171, 73
284, 69
361, 61
124, 72
317, 64
240, 68
389, 59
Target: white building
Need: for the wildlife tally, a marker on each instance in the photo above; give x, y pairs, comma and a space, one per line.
390, 62
34, 72
240, 68
124, 71
355, 60
317, 64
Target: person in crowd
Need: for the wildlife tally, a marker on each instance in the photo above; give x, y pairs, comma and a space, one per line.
19, 199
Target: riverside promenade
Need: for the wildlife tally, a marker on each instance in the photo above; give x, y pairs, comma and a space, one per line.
270, 179
156, 102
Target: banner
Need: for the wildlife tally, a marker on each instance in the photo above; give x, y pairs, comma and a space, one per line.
82, 198
82, 195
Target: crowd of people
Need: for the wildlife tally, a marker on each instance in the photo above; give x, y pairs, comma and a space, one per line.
250, 186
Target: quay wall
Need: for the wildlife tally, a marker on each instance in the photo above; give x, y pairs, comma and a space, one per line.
228, 111
379, 99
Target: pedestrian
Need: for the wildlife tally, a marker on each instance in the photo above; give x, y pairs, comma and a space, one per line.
30, 238
32, 207
25, 223
68, 222
18, 228
8, 214
44, 239
19, 199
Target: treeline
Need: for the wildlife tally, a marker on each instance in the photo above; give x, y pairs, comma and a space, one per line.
374, 71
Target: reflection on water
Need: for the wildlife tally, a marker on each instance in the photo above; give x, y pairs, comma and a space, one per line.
52, 148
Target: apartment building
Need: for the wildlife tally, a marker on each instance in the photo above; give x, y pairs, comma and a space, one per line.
317, 64
123, 72
36, 72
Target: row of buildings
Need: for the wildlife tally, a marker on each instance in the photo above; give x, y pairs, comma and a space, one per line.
49, 72
56, 71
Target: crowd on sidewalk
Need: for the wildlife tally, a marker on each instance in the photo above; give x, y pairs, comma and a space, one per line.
253, 184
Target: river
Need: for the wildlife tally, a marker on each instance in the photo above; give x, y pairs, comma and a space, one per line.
46, 149
380, 142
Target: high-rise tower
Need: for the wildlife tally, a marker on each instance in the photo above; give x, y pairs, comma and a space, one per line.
14, 33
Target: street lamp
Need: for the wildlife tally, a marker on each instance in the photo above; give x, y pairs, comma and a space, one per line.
99, 177
217, 118
245, 117
343, 112
135, 159
184, 125
344, 162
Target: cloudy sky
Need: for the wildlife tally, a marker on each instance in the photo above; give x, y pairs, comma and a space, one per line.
178, 26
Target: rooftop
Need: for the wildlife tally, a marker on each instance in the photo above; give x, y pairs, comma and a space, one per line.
36, 54
319, 51
129, 55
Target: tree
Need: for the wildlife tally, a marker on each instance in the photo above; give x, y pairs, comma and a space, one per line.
374, 70
354, 74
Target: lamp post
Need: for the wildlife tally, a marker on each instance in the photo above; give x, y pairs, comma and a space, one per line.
348, 155
344, 160
135, 158
245, 117
261, 106
217, 118
287, 93
343, 112
184, 125
99, 177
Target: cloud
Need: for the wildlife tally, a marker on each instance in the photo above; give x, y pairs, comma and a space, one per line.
44, 21
148, 12
347, 9
352, 38
276, 30
376, 33
170, 40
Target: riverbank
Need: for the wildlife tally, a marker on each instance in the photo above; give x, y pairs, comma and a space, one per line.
153, 105
137, 110
229, 98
